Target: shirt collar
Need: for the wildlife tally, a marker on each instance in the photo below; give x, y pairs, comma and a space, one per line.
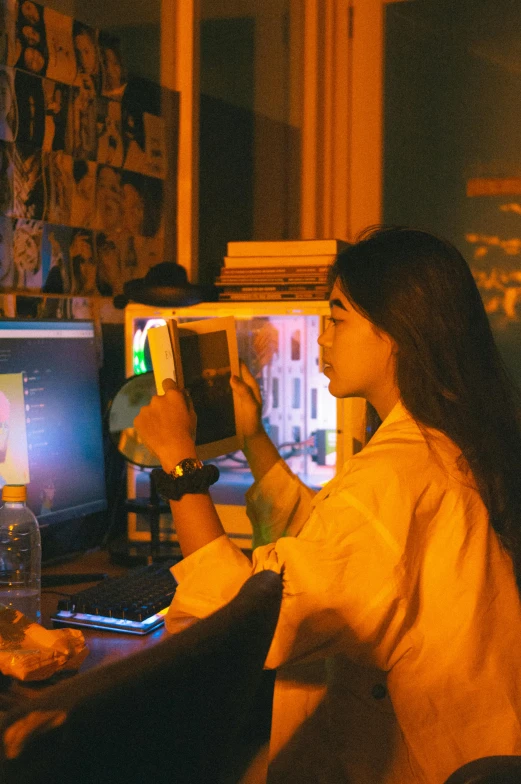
397, 413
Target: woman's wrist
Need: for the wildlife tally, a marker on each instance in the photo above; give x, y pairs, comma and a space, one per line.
254, 438
180, 451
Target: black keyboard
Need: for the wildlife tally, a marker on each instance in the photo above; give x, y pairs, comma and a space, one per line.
135, 603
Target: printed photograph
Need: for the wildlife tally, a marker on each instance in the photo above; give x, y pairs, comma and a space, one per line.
9, 46
59, 187
56, 265
6, 252
108, 131
30, 103
83, 119
85, 40
113, 71
61, 63
155, 146
56, 106
108, 199
8, 111
83, 194
207, 371
31, 39
30, 189
140, 98
6, 177
83, 262
27, 244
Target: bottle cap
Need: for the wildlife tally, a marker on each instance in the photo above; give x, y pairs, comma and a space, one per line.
14, 493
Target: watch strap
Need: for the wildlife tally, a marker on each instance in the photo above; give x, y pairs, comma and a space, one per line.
173, 488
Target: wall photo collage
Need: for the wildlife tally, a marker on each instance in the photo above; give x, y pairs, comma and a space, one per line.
85, 149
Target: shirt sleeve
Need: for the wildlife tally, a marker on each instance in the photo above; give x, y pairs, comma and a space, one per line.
207, 579
340, 585
278, 505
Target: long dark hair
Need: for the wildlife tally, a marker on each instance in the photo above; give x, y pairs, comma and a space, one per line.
419, 290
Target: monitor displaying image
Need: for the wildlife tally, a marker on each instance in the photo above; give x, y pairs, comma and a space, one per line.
50, 417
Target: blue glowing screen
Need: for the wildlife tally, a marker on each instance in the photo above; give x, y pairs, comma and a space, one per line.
50, 417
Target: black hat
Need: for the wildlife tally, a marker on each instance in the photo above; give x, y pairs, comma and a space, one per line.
166, 285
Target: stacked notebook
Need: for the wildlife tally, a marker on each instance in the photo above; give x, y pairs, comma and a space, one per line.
277, 270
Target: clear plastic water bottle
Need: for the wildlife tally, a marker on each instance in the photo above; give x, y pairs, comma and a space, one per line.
20, 554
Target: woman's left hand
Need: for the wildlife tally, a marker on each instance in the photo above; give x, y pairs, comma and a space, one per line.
167, 425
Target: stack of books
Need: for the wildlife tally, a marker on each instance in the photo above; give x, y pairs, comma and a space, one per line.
277, 270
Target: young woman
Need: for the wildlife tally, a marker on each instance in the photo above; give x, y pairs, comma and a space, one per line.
397, 643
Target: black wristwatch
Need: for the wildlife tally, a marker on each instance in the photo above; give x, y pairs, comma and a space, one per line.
189, 476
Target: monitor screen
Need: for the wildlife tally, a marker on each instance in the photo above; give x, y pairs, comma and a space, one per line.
50, 417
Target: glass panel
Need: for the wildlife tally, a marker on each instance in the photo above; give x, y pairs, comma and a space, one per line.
453, 141
249, 132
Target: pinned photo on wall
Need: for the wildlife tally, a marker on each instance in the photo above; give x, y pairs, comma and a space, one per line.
6, 252
83, 116
110, 265
56, 264
9, 51
6, 177
83, 194
56, 102
113, 70
27, 243
142, 204
108, 200
30, 104
8, 110
14, 454
61, 63
60, 187
83, 262
108, 129
30, 188
155, 146
140, 97
31, 38
85, 40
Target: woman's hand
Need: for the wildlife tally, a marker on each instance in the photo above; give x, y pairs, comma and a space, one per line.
167, 425
250, 402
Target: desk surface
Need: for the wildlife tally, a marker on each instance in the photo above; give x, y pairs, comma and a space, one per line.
104, 646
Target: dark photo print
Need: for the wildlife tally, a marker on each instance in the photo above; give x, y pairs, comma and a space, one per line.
113, 71
30, 189
8, 112
108, 132
30, 103
83, 117
83, 262
59, 185
83, 193
56, 103
27, 254
6, 252
31, 38
207, 371
85, 41
56, 266
6, 177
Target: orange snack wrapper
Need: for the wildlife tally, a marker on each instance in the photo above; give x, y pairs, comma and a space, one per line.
29, 652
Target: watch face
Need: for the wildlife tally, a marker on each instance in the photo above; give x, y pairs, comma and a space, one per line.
187, 466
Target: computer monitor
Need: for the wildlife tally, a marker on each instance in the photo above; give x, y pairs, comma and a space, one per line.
50, 418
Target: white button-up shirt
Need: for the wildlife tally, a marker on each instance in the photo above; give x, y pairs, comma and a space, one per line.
398, 643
